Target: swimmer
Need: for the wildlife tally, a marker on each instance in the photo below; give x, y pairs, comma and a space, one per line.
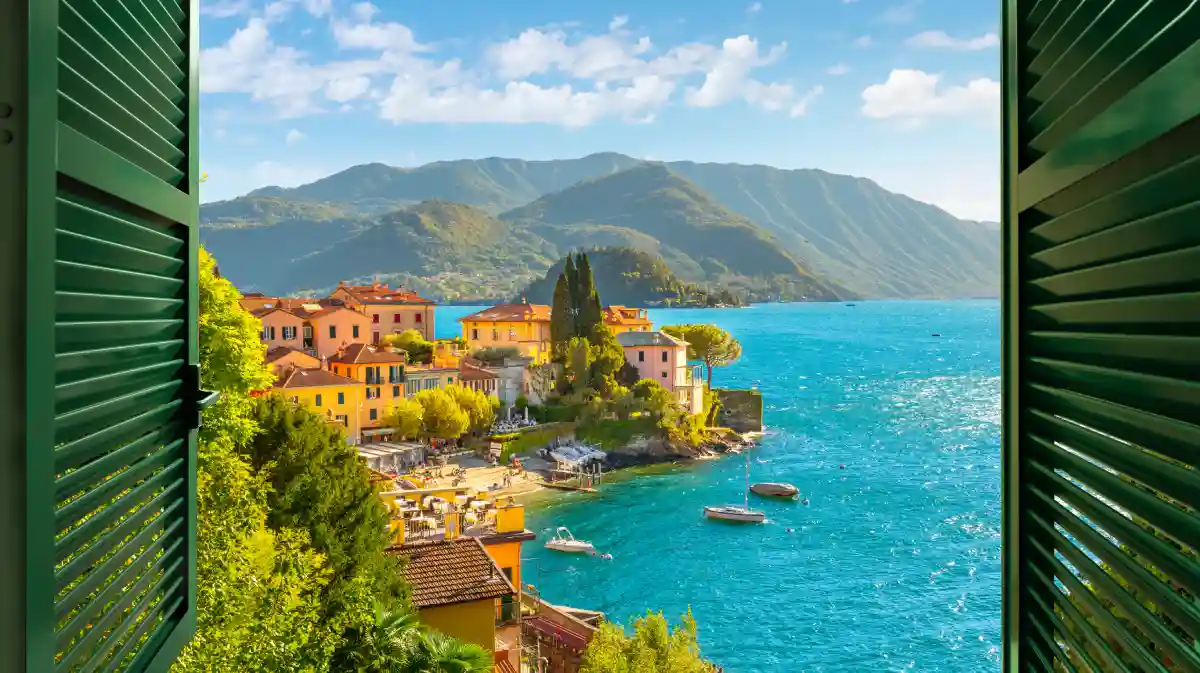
805, 501
789, 530
842, 466
606, 557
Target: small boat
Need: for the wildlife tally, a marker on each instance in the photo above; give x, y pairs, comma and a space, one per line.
565, 542
774, 490
741, 513
735, 513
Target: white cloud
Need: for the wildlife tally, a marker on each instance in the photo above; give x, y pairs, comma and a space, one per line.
278, 9
754, 7
293, 137
618, 22
728, 77
912, 96
364, 11
862, 41
936, 39
616, 74
838, 69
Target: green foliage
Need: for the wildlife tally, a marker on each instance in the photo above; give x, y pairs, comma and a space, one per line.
413, 344
260, 590
396, 643
231, 356
554, 413
321, 486
441, 417
521, 403
614, 434
479, 406
709, 344
579, 361
495, 355
653, 648
406, 416
590, 320
562, 327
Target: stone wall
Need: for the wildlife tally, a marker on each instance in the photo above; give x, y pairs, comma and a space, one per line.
741, 410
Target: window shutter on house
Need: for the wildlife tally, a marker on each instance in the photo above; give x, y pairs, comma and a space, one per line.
112, 399
1102, 335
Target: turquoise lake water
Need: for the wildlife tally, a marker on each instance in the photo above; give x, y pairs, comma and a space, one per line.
895, 563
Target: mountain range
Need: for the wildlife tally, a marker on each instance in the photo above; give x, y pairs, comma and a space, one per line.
486, 228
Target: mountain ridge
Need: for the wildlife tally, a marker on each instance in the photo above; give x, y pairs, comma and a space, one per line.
847, 230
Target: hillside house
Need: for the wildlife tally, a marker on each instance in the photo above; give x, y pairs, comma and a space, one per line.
524, 327
663, 358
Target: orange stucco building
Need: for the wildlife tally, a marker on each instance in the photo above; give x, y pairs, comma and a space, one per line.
381, 372
318, 327
389, 310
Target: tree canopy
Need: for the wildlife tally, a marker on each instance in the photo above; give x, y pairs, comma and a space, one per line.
653, 648
709, 344
320, 485
405, 415
442, 417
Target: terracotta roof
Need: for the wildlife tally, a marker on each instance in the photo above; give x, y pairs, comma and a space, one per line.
445, 572
623, 315
643, 339
361, 354
312, 378
380, 293
283, 351
470, 372
511, 313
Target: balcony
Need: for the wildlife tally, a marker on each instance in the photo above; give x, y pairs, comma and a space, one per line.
507, 613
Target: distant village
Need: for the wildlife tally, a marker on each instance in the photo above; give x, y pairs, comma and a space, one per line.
333, 354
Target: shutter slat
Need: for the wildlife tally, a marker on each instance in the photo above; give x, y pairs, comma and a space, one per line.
151, 614
1172, 92
86, 49
1090, 604
93, 419
167, 23
72, 336
1161, 314
1076, 623
90, 124
1119, 50
160, 73
1054, 19
1160, 273
1073, 27
145, 28
1134, 352
1160, 232
1123, 387
1060, 627
99, 469
73, 365
85, 447
76, 544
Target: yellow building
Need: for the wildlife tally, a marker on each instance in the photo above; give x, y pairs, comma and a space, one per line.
455, 587
625, 319
525, 327
337, 397
381, 371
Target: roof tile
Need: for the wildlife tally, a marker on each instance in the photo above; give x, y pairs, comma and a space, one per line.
445, 572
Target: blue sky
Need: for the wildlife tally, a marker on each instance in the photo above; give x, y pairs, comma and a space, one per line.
905, 92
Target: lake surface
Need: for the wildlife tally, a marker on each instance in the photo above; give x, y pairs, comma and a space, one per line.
895, 563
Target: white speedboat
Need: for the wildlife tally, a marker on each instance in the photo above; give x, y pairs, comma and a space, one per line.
774, 490
565, 542
741, 513
735, 513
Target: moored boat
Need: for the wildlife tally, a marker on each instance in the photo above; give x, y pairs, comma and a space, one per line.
775, 490
565, 542
735, 513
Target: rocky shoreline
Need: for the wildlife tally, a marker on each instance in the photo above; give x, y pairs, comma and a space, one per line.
656, 451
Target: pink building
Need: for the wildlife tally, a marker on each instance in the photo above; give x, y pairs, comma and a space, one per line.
663, 358
318, 327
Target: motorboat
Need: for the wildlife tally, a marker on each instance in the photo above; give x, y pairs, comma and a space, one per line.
775, 490
565, 542
735, 513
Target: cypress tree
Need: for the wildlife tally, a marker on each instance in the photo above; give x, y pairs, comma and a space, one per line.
561, 320
572, 275
591, 316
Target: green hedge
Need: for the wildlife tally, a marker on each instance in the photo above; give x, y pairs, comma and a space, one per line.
614, 434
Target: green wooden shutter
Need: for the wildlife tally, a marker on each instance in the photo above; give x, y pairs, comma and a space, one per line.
112, 388
1102, 335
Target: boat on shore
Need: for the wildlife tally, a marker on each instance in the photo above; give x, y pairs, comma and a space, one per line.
775, 490
565, 542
